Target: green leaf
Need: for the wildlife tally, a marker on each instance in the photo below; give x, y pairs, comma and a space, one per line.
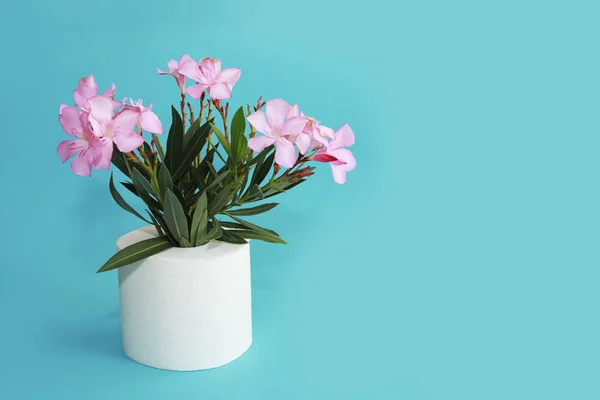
254, 194
175, 217
163, 225
136, 252
219, 201
222, 139
216, 231
164, 180
248, 234
253, 210
260, 173
253, 227
144, 189
185, 243
156, 224
119, 161
217, 180
239, 143
199, 220
174, 141
285, 188
121, 202
159, 147
195, 141
230, 237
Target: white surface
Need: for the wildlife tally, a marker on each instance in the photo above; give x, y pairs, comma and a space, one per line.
186, 309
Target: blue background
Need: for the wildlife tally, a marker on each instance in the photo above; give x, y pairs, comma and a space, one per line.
459, 262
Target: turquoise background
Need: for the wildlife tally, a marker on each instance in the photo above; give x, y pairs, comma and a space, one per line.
459, 262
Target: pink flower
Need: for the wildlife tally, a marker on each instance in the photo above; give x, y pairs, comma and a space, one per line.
146, 117
277, 128
209, 76
109, 128
321, 135
75, 123
175, 71
341, 159
88, 89
303, 140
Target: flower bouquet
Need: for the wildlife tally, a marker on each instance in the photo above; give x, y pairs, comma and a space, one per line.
184, 278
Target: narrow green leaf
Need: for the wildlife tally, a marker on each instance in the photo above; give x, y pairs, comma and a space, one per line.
230, 237
252, 226
136, 252
199, 220
249, 234
216, 231
253, 210
222, 139
239, 143
217, 180
174, 141
254, 194
121, 202
119, 161
156, 224
159, 147
144, 189
163, 225
219, 201
175, 217
285, 189
260, 173
164, 180
185, 243
195, 142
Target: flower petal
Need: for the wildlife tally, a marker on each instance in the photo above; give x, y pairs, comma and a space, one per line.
69, 118
229, 76
219, 91
184, 58
128, 142
294, 126
343, 137
277, 111
348, 162
303, 142
101, 108
259, 121
294, 111
82, 164
86, 89
68, 148
339, 174
125, 121
110, 92
258, 143
285, 153
151, 123
196, 90
103, 150
211, 66
190, 69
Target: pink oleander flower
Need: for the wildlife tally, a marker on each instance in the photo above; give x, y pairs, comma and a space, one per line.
87, 89
209, 76
146, 117
304, 139
321, 135
109, 128
341, 159
174, 67
277, 128
75, 123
